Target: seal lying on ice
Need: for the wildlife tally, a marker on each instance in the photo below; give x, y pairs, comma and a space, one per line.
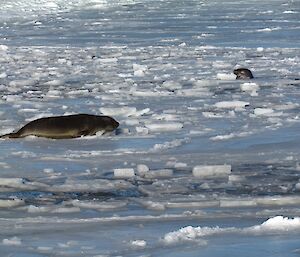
243, 73
62, 127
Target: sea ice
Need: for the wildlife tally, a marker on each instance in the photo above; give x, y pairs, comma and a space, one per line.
138, 243
231, 104
124, 173
225, 76
263, 111
13, 241
251, 88
273, 225
205, 171
164, 126
125, 111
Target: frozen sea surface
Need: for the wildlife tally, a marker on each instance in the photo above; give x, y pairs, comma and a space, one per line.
201, 165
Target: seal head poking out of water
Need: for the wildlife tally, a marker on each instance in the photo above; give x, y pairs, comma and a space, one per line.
243, 73
63, 127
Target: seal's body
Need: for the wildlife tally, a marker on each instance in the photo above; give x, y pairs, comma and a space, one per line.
243, 73
62, 127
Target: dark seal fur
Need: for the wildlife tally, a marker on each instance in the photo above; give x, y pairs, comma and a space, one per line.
243, 73
63, 127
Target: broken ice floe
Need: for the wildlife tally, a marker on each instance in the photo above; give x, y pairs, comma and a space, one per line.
205, 171
278, 224
140, 244
164, 126
250, 88
13, 241
232, 104
125, 111
124, 173
225, 76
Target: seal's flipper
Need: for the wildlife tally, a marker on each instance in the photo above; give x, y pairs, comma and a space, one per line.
10, 135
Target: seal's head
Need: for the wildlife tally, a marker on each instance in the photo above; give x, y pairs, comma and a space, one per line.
243, 73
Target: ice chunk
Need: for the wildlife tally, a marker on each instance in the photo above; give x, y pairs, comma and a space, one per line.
165, 126
138, 244
108, 60
142, 130
249, 87
259, 49
100, 205
124, 173
142, 169
164, 173
237, 203
268, 29
11, 182
95, 185
225, 76
172, 85
263, 111
51, 5
204, 171
189, 233
139, 70
53, 93
151, 205
3, 48
119, 111
277, 224
3, 75
13, 241
231, 104
55, 82
10, 203
171, 144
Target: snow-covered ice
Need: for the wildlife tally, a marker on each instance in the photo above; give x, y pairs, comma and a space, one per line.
201, 162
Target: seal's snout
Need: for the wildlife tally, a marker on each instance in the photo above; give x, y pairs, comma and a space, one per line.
115, 124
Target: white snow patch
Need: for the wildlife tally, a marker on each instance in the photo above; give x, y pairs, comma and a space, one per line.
95, 185
170, 144
278, 224
99, 205
259, 49
163, 173
268, 29
11, 182
3, 48
125, 111
13, 241
141, 244
142, 130
139, 70
230, 136
263, 111
124, 173
172, 85
11, 203
204, 171
189, 233
226, 76
151, 205
290, 12
231, 104
165, 126
142, 169
250, 88
3, 75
